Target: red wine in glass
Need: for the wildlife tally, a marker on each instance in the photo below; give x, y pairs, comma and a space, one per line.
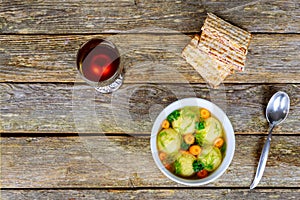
99, 63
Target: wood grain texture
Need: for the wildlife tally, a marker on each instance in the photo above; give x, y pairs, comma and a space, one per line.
38, 45
67, 108
39, 58
116, 16
126, 162
194, 193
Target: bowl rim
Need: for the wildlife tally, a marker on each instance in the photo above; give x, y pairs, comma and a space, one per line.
229, 138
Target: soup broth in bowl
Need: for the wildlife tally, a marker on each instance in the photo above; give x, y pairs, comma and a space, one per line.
192, 141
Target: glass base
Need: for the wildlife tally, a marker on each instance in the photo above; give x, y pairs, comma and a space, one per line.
111, 87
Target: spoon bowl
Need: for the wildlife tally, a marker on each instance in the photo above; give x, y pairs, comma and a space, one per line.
276, 112
278, 108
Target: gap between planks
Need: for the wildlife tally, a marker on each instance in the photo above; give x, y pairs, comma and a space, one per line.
33, 135
131, 33
156, 188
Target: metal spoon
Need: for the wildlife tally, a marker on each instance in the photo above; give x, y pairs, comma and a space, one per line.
276, 112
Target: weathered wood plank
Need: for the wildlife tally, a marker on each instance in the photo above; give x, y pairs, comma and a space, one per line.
116, 16
262, 194
38, 58
100, 162
66, 108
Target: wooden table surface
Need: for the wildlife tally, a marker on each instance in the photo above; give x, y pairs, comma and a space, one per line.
62, 140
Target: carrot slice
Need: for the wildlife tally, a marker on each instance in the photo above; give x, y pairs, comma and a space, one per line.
204, 113
189, 138
162, 155
219, 142
168, 166
203, 173
165, 124
195, 150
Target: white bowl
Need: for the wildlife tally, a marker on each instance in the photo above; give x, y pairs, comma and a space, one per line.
228, 136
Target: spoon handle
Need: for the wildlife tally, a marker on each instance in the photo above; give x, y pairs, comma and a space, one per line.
262, 160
